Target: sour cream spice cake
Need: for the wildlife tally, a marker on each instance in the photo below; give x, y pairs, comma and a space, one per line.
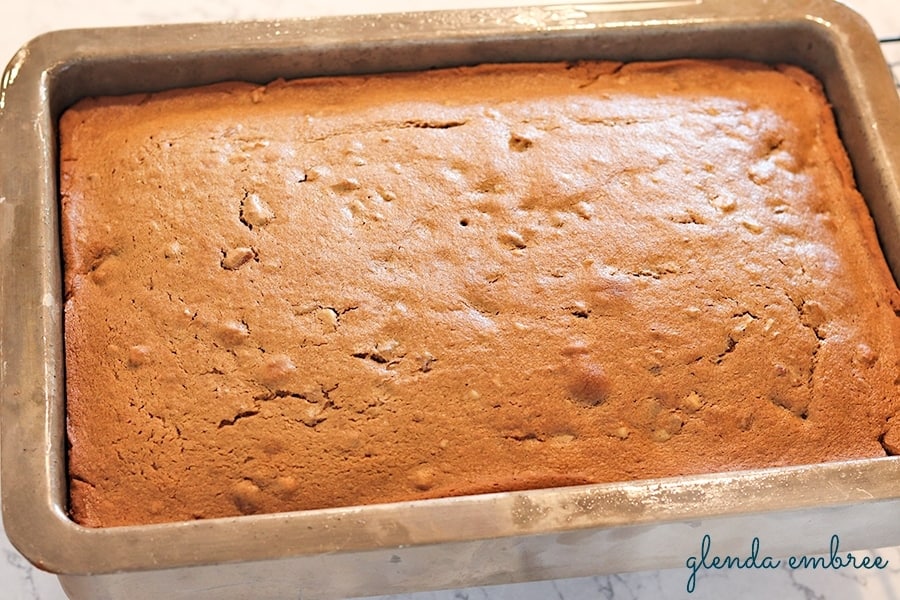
352, 290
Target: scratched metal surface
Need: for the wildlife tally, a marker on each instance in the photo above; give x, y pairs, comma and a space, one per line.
447, 543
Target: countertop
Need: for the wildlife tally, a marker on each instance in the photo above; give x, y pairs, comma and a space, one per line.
20, 21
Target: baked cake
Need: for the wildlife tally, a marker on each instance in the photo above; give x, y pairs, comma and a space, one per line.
355, 290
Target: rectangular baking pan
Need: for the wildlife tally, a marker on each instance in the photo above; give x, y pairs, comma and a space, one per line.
444, 543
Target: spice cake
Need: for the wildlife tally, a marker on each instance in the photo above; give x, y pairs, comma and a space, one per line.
353, 290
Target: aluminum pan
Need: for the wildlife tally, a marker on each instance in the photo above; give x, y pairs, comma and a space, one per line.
490, 538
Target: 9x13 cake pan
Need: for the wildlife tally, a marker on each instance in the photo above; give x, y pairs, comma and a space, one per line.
443, 543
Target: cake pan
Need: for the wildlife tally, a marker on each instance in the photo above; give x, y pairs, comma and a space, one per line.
442, 543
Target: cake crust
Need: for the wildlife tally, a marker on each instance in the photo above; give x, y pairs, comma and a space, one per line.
354, 290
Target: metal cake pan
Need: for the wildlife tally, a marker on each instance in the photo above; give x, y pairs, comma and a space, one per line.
474, 540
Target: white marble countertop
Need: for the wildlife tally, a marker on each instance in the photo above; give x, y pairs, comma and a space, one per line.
20, 21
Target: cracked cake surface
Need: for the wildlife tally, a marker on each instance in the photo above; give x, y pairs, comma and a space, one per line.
353, 290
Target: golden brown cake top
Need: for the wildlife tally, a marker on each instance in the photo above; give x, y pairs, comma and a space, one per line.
351, 290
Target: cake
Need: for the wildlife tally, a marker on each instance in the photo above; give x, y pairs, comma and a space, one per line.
354, 290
